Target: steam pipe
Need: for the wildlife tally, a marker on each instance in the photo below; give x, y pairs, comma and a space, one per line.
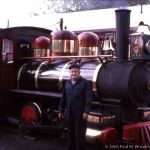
122, 33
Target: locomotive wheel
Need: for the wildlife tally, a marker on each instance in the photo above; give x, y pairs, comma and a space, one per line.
30, 115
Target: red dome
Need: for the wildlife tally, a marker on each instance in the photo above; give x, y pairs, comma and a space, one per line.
63, 35
41, 42
88, 39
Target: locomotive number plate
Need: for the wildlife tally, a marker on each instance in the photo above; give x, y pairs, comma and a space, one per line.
94, 119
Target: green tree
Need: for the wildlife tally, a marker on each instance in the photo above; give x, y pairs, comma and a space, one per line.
63, 6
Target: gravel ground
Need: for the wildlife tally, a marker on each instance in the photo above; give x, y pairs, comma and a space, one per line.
12, 139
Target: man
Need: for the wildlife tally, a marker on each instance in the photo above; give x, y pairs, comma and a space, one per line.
76, 100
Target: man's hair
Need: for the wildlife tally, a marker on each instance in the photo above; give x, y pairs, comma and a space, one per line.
74, 65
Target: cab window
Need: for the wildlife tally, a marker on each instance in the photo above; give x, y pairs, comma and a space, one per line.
7, 51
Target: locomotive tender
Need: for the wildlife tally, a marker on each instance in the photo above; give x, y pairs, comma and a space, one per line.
120, 111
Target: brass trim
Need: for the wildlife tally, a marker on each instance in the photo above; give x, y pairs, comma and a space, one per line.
94, 119
95, 78
19, 73
58, 57
37, 73
62, 72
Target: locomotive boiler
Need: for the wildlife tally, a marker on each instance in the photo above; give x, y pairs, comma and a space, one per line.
121, 84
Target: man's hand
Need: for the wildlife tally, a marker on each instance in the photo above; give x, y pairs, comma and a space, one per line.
85, 116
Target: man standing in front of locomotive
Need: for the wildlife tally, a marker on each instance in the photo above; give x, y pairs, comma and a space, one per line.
75, 102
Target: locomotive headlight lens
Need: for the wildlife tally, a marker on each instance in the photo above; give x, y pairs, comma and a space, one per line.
92, 132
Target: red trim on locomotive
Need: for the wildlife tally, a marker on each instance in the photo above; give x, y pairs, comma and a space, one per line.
108, 136
137, 133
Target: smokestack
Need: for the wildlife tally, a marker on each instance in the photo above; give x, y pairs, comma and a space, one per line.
122, 33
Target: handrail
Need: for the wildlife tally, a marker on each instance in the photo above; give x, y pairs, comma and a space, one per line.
57, 57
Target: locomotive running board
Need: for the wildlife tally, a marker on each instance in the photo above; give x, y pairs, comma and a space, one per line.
39, 93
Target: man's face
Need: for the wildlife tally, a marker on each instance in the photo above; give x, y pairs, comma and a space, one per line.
74, 73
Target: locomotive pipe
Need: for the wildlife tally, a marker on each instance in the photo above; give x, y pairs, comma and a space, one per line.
122, 33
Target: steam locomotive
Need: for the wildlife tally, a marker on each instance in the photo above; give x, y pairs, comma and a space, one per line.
120, 112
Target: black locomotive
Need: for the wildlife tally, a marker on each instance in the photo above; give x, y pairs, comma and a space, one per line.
121, 83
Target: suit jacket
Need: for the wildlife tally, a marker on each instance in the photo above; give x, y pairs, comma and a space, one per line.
76, 99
